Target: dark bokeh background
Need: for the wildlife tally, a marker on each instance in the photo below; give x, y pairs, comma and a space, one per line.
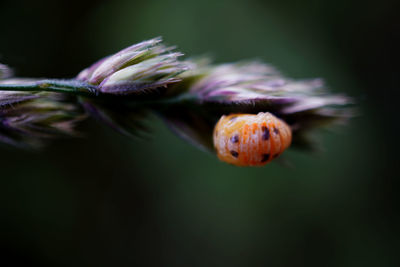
106, 200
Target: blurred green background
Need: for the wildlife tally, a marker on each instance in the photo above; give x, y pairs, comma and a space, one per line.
106, 200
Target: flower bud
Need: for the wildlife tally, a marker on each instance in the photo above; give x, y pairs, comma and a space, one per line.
28, 118
141, 67
255, 84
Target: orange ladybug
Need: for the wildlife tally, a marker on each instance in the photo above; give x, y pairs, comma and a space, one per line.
251, 140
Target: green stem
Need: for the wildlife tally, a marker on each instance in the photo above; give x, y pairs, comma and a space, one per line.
60, 86
83, 89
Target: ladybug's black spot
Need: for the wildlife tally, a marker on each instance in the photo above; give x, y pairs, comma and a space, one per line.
233, 118
265, 134
276, 131
234, 153
265, 157
235, 139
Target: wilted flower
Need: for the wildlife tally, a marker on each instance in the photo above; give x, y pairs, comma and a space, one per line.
27, 118
251, 87
139, 68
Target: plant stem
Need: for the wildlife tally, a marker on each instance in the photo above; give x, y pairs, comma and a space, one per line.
61, 86
85, 90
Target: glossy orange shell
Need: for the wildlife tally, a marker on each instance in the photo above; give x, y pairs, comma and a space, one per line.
251, 140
